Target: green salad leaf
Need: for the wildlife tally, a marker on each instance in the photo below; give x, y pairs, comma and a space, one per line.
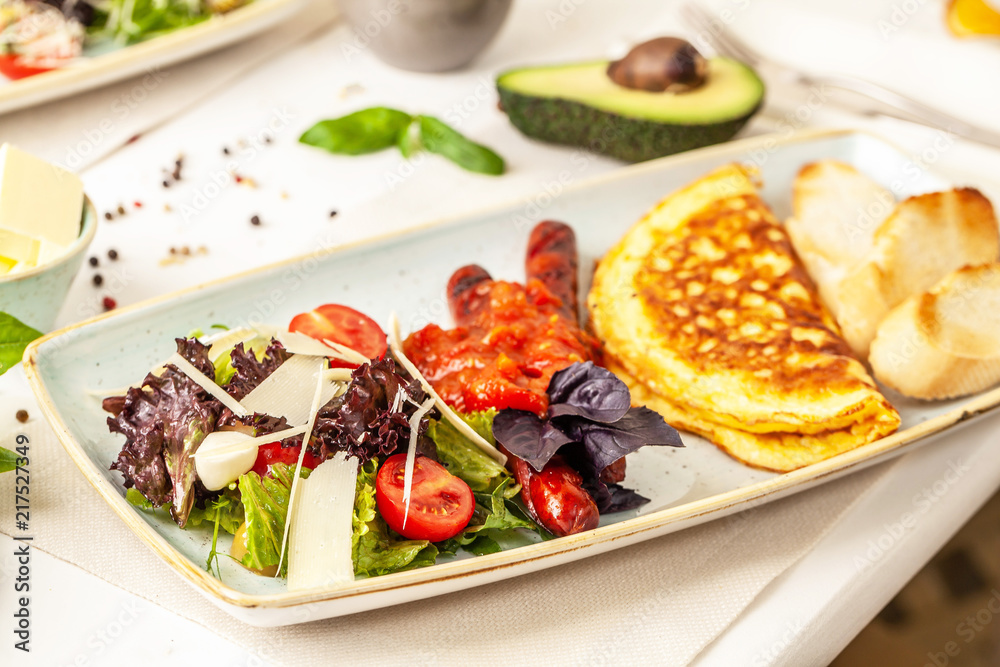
131, 21
439, 137
466, 461
227, 510
365, 131
136, 499
265, 505
8, 460
494, 521
375, 548
14, 338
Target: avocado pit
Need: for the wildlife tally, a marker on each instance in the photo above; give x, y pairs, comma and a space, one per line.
664, 64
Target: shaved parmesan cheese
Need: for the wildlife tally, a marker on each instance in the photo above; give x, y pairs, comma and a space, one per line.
289, 390
313, 411
396, 346
208, 384
319, 547
338, 374
411, 453
347, 353
297, 343
331, 390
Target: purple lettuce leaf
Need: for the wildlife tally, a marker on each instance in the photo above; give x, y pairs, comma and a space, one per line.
163, 426
363, 421
250, 371
586, 390
528, 437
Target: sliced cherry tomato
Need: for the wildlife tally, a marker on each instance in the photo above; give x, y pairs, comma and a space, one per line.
12, 66
440, 503
274, 453
343, 325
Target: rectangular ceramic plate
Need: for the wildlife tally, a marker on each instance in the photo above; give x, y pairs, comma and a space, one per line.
407, 273
103, 68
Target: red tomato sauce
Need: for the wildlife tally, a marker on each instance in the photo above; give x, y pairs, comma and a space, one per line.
506, 355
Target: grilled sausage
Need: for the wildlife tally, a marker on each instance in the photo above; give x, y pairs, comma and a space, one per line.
552, 259
555, 497
468, 293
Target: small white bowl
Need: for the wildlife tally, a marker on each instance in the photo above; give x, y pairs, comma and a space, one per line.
36, 296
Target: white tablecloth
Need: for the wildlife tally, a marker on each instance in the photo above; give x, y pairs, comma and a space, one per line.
279, 84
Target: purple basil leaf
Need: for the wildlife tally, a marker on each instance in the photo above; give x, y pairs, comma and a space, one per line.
528, 437
586, 390
608, 497
606, 443
613, 497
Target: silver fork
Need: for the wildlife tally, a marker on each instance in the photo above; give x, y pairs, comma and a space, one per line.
870, 98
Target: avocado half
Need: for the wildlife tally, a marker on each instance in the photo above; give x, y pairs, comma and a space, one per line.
580, 106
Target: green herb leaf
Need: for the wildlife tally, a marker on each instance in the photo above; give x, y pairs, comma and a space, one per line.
409, 140
496, 519
361, 132
438, 137
8, 460
465, 460
14, 337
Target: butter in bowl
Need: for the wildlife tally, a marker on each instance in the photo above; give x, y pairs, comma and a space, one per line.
46, 225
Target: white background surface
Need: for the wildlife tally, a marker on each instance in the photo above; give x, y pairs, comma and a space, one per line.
299, 74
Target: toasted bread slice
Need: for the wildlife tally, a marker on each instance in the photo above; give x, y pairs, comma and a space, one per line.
836, 210
924, 239
705, 304
943, 343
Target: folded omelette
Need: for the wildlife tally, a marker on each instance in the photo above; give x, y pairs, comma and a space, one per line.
707, 314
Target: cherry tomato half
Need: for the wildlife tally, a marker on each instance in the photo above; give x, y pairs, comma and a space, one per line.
440, 503
12, 66
343, 325
274, 453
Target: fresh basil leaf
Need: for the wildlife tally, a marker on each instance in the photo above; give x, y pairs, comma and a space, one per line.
528, 437
8, 460
409, 140
375, 549
14, 337
438, 137
586, 390
465, 460
361, 132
